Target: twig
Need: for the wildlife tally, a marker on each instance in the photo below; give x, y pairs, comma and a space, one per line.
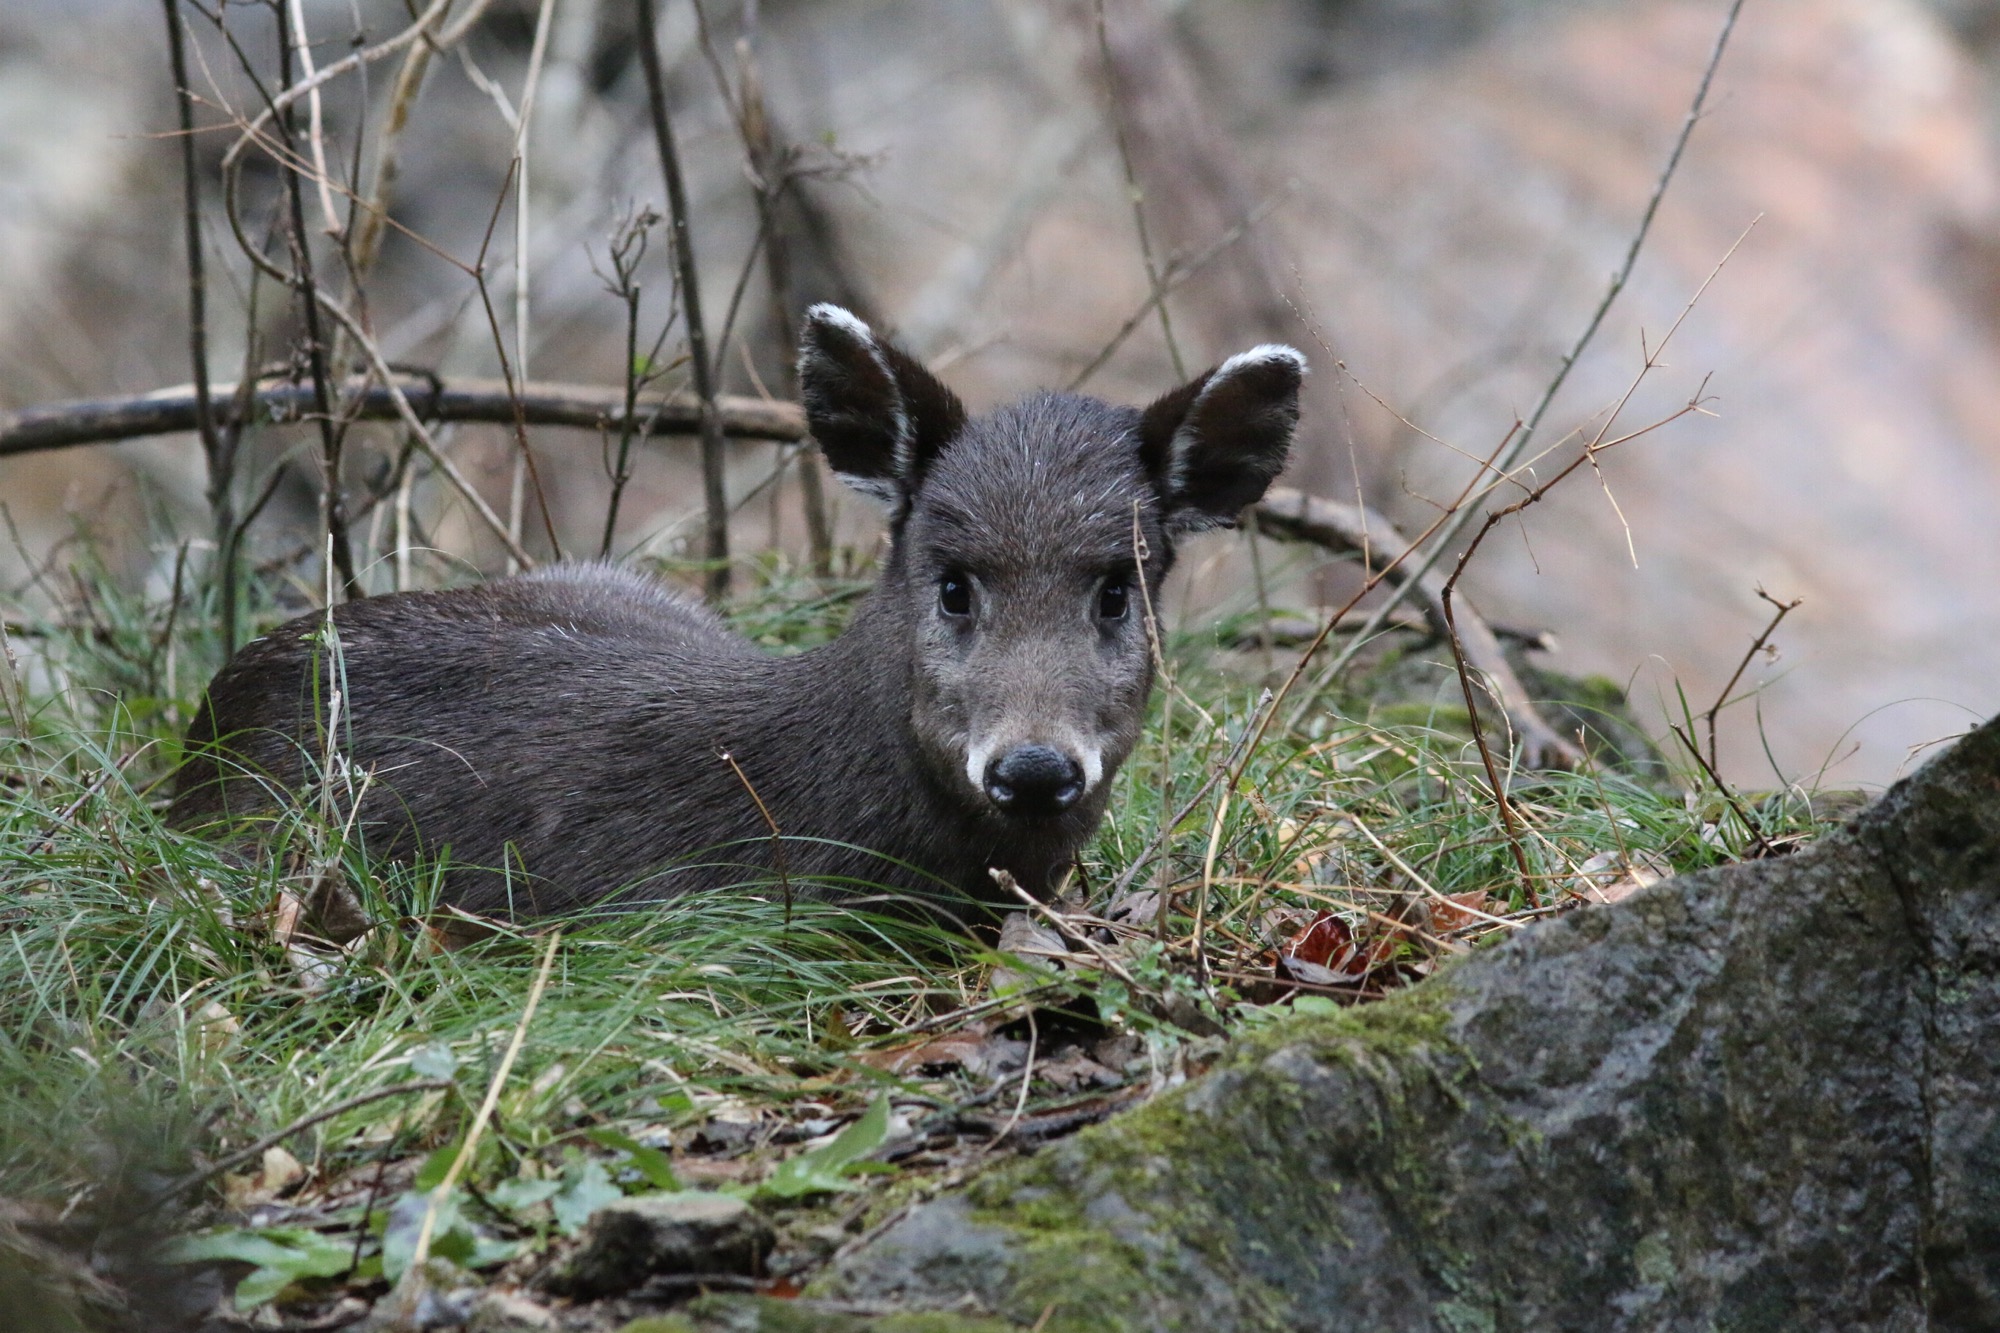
1595, 446
778, 860
525, 469
768, 161
219, 454
524, 461
1132, 190
255, 1150
372, 398
1178, 273
715, 500
417, 31
1456, 520
421, 433
628, 248
333, 505
368, 229
1756, 645
1333, 525
1750, 824
315, 122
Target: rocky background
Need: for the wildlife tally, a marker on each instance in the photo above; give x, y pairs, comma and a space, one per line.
1427, 196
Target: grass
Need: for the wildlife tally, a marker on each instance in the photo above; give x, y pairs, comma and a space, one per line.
151, 1021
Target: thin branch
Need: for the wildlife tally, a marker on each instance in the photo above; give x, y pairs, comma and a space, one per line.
627, 250
1154, 277
257, 1149
219, 454
524, 461
714, 498
1722, 700
409, 418
1455, 522
417, 31
333, 503
778, 858
409, 83
583, 406
1750, 823
1295, 516
1178, 273
315, 120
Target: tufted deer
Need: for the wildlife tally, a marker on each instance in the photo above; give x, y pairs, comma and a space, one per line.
567, 726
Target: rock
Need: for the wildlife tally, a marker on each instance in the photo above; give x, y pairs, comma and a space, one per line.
627, 1242
1765, 1096
508, 1312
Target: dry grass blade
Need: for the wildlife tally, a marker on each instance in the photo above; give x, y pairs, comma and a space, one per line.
484, 1115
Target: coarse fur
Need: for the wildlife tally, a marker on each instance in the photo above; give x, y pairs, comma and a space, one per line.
559, 736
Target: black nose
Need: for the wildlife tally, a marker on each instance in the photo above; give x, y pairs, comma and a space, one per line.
1034, 780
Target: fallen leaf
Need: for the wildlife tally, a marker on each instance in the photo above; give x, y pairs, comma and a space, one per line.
1610, 877
1457, 911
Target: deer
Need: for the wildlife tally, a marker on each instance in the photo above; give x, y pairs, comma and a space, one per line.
583, 735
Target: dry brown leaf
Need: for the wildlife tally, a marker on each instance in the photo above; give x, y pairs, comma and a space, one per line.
1456, 911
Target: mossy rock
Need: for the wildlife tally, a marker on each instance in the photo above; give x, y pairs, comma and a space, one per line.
1765, 1096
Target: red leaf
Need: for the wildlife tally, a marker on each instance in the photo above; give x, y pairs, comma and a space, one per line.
1326, 935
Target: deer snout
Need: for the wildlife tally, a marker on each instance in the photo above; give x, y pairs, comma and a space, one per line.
1032, 780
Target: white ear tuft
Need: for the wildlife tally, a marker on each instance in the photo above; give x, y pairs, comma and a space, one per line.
1263, 354
845, 320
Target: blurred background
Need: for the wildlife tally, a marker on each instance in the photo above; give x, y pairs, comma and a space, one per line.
1428, 197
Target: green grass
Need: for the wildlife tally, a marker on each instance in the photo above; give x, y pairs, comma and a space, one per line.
150, 1021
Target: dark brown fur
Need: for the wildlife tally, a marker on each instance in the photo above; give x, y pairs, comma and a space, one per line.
568, 724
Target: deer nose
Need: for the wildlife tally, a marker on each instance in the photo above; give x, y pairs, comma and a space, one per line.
1034, 780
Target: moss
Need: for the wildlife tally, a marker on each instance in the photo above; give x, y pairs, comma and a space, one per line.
1171, 1168
761, 1314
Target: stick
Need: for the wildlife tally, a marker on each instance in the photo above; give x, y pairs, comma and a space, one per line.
333, 504
255, 1150
1722, 700
583, 406
1455, 522
220, 455
1154, 277
777, 838
714, 499
1750, 823
1296, 516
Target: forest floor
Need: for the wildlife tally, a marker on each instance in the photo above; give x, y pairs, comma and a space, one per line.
209, 1120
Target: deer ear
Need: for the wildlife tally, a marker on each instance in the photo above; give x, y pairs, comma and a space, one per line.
878, 415
1216, 443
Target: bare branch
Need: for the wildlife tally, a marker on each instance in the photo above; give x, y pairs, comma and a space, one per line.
714, 498
333, 500
1455, 522
1723, 700
219, 453
1296, 516
582, 406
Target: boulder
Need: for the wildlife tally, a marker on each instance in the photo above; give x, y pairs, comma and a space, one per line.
1766, 1096
673, 1234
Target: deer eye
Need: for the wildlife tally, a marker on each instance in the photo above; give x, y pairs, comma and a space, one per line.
1114, 597
955, 594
